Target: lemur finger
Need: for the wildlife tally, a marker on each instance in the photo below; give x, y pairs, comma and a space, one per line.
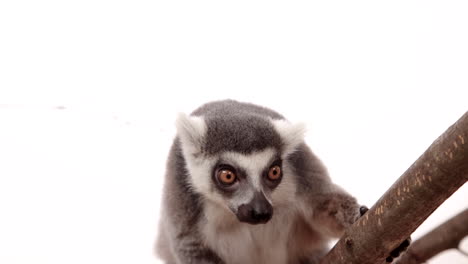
400, 249
363, 210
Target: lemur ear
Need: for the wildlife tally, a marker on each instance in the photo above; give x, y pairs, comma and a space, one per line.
191, 131
291, 134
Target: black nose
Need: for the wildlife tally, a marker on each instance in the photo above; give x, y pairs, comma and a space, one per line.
258, 211
260, 217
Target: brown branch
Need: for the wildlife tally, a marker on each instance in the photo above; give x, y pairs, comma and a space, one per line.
437, 174
446, 236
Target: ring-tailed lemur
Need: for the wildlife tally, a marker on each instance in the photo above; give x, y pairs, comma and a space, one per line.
242, 187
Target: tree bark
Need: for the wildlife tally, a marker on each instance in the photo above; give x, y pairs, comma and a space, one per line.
437, 174
446, 236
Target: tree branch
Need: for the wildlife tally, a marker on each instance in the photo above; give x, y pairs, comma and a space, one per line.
437, 174
446, 236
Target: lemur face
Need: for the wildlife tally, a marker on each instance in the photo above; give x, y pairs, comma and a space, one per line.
246, 183
240, 163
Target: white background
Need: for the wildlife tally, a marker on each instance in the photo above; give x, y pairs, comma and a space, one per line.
89, 91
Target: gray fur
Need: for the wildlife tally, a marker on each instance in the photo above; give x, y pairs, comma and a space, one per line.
193, 228
182, 210
239, 127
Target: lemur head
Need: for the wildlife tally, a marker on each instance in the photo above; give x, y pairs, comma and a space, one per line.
239, 161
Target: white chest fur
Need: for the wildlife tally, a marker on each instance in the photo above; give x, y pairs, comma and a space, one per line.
242, 243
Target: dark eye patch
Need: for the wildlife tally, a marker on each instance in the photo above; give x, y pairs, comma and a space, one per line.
272, 184
223, 187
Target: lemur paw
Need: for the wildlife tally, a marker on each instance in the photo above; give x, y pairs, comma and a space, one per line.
363, 209
397, 251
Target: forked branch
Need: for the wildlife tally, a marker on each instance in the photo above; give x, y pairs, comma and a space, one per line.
446, 236
437, 174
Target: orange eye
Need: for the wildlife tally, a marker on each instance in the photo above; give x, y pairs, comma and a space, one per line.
226, 177
274, 173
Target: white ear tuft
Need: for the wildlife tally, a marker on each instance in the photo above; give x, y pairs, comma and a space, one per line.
291, 134
191, 131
